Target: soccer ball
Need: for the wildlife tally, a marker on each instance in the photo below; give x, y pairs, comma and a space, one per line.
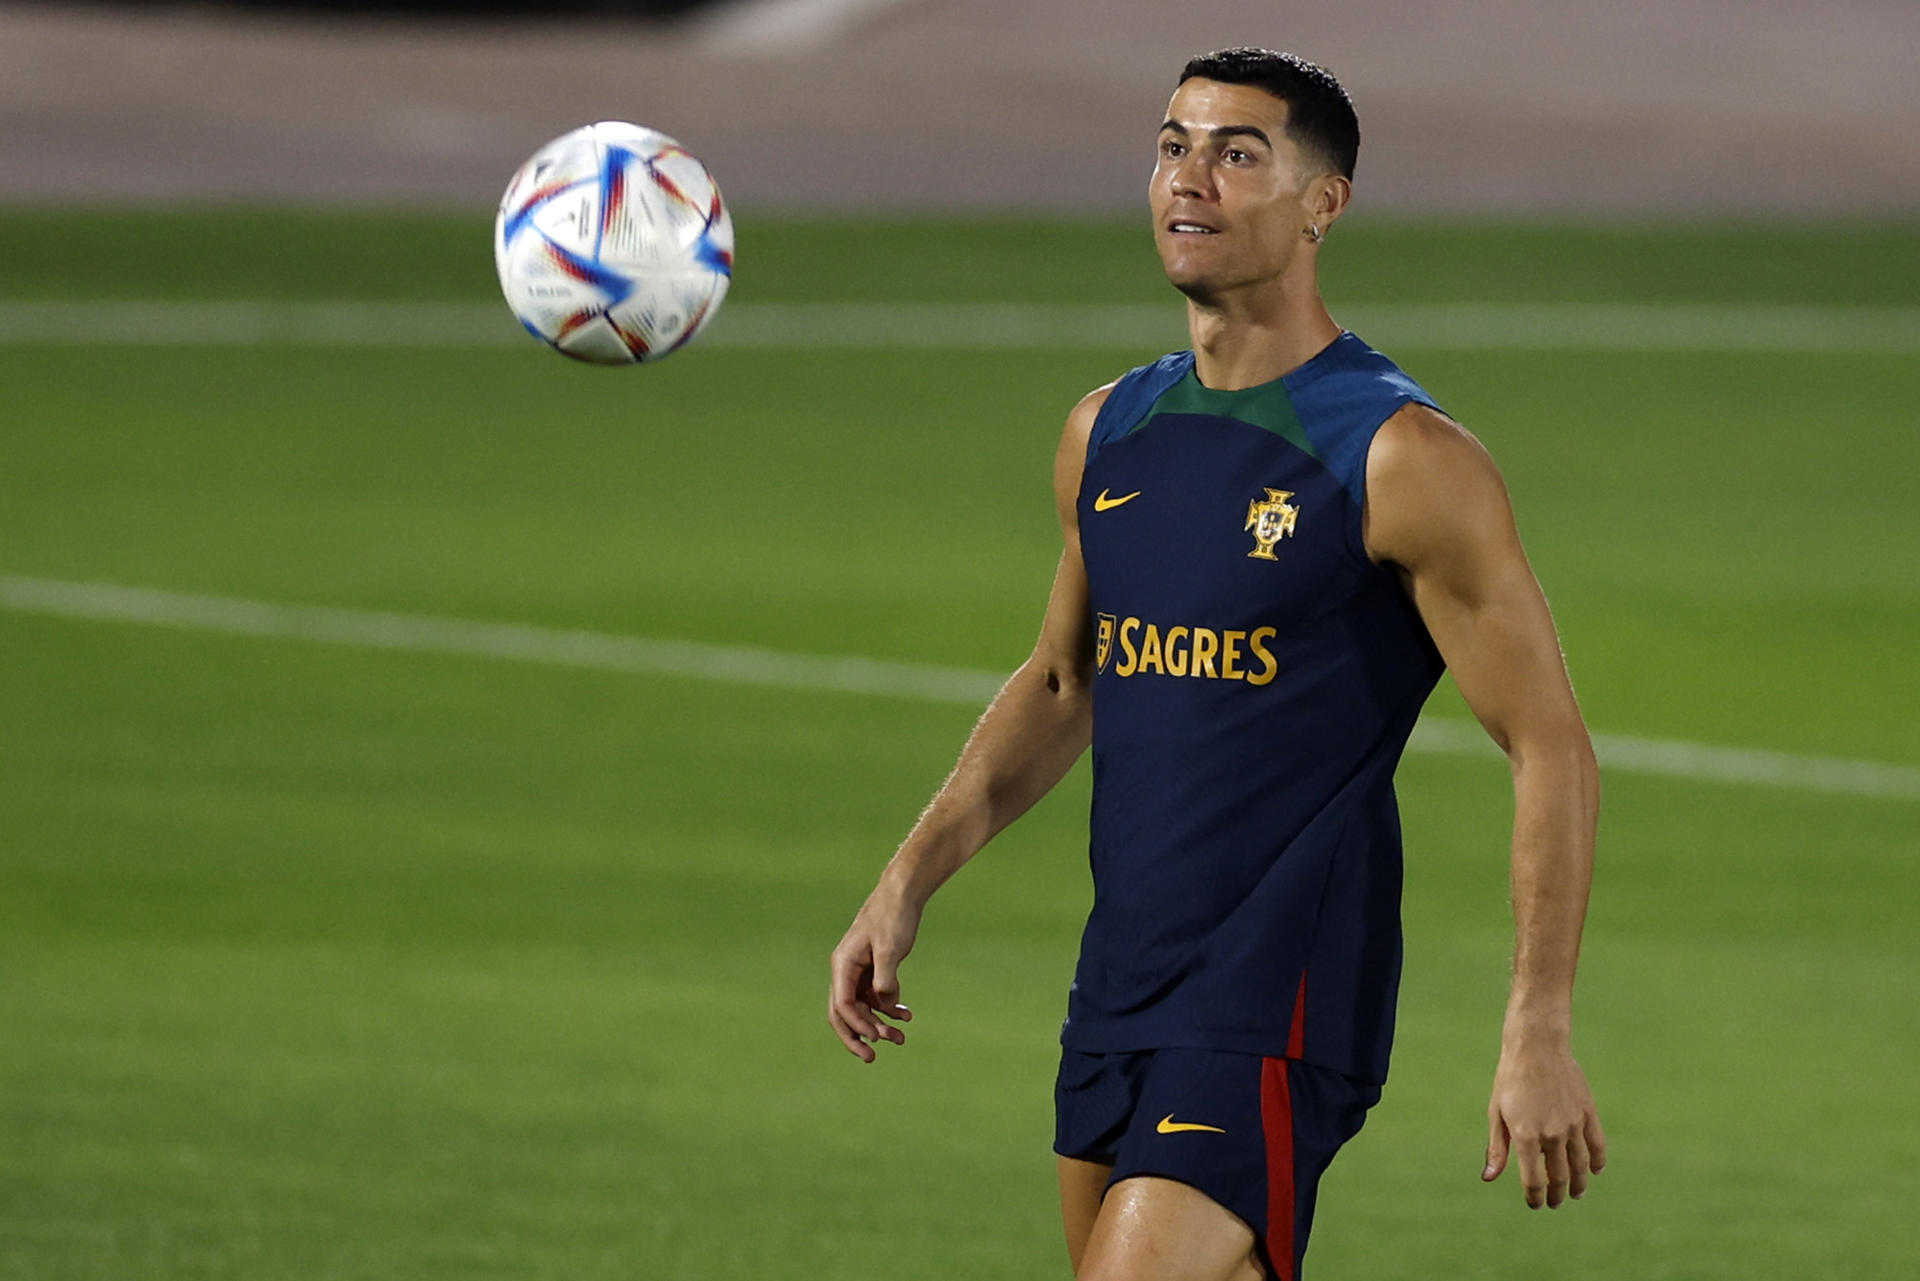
613, 244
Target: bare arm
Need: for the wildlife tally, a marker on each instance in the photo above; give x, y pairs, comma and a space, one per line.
1028, 738
1437, 510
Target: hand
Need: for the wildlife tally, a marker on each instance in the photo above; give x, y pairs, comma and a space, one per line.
865, 975
1543, 1110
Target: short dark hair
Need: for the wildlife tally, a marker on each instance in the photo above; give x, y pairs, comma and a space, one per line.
1320, 117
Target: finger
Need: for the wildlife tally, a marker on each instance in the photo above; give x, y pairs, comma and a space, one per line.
1558, 1172
881, 1005
859, 1019
846, 999
1596, 1141
1497, 1140
886, 981
1533, 1171
853, 1017
845, 970
888, 1032
892, 1009
855, 1046
1577, 1165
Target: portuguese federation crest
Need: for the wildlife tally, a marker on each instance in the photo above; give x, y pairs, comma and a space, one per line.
1270, 522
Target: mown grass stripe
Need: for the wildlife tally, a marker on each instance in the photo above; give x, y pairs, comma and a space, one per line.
1703, 327
749, 665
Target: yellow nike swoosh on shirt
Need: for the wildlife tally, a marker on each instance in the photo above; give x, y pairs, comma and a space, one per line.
1170, 1126
1103, 503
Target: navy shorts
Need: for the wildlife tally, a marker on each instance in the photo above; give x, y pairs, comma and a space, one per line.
1253, 1133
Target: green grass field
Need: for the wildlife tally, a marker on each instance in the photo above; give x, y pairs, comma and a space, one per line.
325, 962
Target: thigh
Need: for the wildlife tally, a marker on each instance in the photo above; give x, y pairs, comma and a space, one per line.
1094, 1098
1208, 1157
1155, 1229
1082, 1186
1253, 1136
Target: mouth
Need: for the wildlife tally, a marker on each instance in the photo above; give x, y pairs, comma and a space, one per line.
1182, 227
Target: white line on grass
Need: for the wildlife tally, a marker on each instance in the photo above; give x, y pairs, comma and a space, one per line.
1704, 327
732, 664
748, 665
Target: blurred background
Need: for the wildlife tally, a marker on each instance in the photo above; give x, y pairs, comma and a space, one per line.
433, 773
1629, 108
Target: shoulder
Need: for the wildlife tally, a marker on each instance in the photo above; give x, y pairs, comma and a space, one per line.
1417, 436
1105, 414
1086, 412
1345, 397
1428, 480
1070, 461
1131, 397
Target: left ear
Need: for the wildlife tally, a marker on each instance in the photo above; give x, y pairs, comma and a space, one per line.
1327, 198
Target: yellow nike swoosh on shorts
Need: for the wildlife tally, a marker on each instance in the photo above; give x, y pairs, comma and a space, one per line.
1170, 1126
1103, 503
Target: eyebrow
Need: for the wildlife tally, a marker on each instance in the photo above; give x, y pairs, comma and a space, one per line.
1223, 132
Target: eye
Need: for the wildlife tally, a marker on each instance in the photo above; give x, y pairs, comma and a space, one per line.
1172, 149
1236, 156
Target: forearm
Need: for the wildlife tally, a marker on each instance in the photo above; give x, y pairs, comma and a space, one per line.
1025, 742
1556, 808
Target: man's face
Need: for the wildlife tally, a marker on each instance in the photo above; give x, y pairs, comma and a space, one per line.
1229, 191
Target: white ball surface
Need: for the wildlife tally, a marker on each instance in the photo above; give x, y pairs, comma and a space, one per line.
613, 244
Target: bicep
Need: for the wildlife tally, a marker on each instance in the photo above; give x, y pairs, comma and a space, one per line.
1066, 633
1439, 510
1493, 628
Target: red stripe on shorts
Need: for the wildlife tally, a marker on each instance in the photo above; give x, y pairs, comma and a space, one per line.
1276, 1118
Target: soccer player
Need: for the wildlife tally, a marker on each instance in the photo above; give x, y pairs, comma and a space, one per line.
1273, 543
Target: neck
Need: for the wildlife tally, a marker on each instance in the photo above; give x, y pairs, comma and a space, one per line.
1244, 340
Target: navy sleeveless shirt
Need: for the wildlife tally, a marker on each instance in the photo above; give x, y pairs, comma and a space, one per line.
1256, 679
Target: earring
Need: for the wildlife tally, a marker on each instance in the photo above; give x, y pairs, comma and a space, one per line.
1315, 234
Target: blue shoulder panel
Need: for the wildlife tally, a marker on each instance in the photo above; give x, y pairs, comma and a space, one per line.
1342, 397
1133, 395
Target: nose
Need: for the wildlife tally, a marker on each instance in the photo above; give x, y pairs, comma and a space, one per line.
1192, 176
